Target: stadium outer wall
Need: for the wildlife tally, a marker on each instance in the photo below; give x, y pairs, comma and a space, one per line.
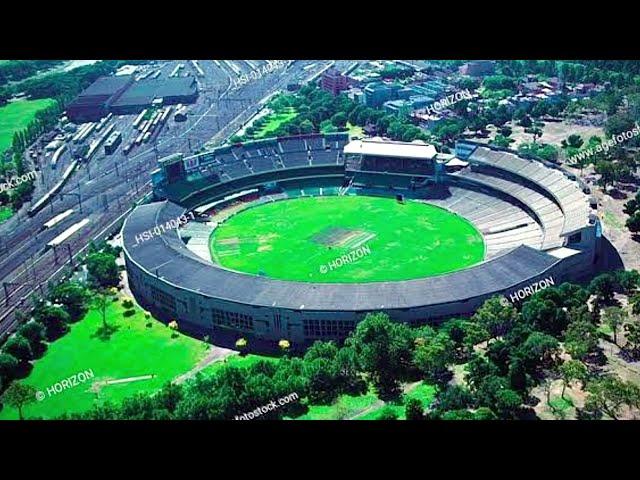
172, 285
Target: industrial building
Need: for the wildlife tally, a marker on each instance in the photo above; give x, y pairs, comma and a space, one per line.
122, 95
167, 91
96, 100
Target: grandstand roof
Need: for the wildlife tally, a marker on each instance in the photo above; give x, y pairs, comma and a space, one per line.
381, 148
168, 258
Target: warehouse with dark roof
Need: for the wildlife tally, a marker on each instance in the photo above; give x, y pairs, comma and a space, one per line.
167, 91
96, 100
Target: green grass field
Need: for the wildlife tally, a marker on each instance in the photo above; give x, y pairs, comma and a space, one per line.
424, 392
5, 213
132, 350
15, 116
273, 122
346, 239
344, 408
355, 131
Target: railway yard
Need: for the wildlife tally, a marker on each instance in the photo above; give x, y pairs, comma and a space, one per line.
83, 199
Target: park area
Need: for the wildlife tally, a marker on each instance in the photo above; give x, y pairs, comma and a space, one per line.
133, 354
271, 122
16, 116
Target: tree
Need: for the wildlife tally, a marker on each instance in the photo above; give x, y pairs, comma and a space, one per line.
609, 394
384, 350
18, 395
54, 318
306, 126
574, 141
9, 366
526, 121
570, 371
544, 315
632, 205
324, 383
454, 397
496, 394
501, 141
103, 269
614, 317
478, 369
19, 347
628, 280
632, 333
607, 171
433, 356
519, 379
339, 120
414, 410
603, 286
101, 300
387, 413
495, 317
634, 301
539, 349
633, 222
581, 339
618, 123
34, 332
73, 296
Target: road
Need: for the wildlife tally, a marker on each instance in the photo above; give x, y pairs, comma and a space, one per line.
106, 188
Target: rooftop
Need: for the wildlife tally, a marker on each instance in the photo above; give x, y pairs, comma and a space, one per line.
145, 91
168, 258
391, 149
106, 86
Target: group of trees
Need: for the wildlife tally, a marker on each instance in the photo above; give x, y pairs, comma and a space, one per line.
507, 350
66, 303
44, 120
379, 351
618, 73
524, 347
632, 208
103, 271
319, 111
612, 163
14, 70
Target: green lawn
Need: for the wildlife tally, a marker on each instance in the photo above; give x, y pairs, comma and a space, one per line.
15, 116
5, 213
355, 131
561, 405
235, 361
425, 393
273, 122
132, 350
311, 239
346, 406
611, 219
